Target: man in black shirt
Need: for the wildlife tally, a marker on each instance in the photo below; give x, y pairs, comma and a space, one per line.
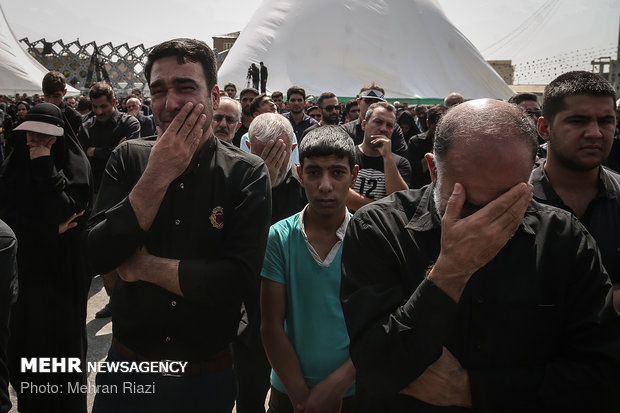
467, 294
184, 221
578, 123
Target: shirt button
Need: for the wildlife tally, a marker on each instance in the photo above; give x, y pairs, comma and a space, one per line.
182, 185
177, 222
174, 303
168, 339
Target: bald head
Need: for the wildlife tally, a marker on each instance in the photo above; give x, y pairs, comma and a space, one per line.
481, 122
453, 99
488, 146
134, 106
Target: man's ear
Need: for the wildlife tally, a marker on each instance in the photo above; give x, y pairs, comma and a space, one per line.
215, 97
363, 124
238, 126
544, 128
354, 173
300, 174
64, 92
432, 169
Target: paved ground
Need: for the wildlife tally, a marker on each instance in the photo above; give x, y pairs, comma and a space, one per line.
99, 333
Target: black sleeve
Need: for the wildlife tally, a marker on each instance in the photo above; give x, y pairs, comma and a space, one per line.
404, 167
394, 337
584, 375
113, 232
8, 295
399, 146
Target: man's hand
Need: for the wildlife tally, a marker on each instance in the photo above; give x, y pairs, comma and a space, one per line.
70, 223
175, 148
131, 268
275, 155
322, 399
41, 148
467, 244
383, 144
443, 383
90, 151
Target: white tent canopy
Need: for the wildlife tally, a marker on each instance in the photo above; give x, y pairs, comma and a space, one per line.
19, 72
409, 47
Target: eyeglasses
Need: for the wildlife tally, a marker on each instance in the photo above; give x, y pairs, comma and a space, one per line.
537, 113
229, 119
329, 108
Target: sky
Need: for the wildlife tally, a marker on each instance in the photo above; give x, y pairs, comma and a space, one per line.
524, 31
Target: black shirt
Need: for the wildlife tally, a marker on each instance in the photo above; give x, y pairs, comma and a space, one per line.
535, 328
104, 137
602, 217
215, 220
419, 145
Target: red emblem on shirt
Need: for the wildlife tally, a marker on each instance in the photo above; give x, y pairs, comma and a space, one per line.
217, 217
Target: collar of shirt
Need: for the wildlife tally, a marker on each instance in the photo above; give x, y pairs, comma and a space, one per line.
339, 234
544, 190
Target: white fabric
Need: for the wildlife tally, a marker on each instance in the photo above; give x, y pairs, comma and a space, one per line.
341, 45
19, 72
342, 229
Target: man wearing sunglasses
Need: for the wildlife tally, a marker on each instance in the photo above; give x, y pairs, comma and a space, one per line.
370, 94
226, 119
330, 111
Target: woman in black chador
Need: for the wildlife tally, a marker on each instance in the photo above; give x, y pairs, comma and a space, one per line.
45, 193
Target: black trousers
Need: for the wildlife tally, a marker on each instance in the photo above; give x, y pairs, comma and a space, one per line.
252, 370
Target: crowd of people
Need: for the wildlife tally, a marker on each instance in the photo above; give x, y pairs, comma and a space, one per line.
358, 256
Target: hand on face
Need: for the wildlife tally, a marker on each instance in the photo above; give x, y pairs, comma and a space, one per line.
275, 156
383, 144
175, 148
39, 144
469, 243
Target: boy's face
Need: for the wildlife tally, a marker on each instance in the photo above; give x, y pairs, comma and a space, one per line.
327, 180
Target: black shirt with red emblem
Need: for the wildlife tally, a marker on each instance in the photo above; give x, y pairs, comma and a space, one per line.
214, 219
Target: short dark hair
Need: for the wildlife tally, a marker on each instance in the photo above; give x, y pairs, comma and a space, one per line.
578, 82
249, 90
522, 97
83, 104
326, 141
277, 94
372, 86
53, 82
99, 89
435, 112
256, 102
185, 50
324, 95
349, 105
295, 90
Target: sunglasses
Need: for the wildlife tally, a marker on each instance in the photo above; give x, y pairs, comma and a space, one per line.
329, 108
229, 119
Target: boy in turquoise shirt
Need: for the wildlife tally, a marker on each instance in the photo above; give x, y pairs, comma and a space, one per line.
303, 327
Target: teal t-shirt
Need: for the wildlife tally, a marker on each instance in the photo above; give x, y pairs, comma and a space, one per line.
314, 320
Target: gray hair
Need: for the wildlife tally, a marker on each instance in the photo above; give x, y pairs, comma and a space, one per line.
269, 126
224, 99
482, 120
387, 106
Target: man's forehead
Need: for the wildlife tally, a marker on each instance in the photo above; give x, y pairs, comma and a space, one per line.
327, 161
227, 107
